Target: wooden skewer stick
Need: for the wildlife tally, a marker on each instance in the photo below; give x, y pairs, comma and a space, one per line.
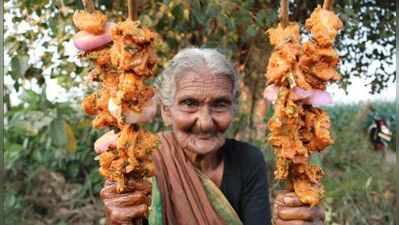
284, 12
328, 4
89, 6
132, 9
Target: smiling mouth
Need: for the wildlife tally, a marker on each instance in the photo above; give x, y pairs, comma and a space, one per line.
206, 137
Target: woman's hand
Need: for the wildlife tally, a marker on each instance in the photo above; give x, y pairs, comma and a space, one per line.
288, 210
124, 208
308, 97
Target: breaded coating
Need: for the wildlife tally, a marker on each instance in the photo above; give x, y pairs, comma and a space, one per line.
91, 22
324, 26
133, 48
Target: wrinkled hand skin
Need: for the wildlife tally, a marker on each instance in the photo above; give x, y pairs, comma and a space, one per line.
288, 210
124, 208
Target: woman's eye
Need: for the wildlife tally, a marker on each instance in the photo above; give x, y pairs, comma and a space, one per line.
221, 105
189, 103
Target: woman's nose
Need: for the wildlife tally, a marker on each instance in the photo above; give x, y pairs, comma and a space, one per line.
205, 121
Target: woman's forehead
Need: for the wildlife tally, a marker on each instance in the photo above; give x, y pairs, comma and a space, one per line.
203, 84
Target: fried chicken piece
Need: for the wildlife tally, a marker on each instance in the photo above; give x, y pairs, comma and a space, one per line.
320, 62
316, 131
284, 128
279, 35
306, 182
133, 48
282, 168
91, 22
132, 93
130, 58
277, 68
110, 82
130, 32
307, 192
300, 78
315, 82
287, 50
102, 97
324, 26
89, 104
100, 57
137, 145
104, 119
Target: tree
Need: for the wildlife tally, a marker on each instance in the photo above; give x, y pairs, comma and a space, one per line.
236, 27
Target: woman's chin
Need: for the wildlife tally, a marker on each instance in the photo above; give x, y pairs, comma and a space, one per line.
205, 146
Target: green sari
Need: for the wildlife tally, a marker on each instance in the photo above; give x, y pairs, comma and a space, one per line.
216, 197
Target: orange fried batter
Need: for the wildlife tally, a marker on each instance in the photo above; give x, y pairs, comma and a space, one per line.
319, 62
90, 22
316, 132
287, 50
104, 119
308, 192
133, 48
132, 93
280, 35
324, 26
133, 156
89, 104
101, 57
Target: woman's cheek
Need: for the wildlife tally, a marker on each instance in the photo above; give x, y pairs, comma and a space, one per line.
182, 120
223, 120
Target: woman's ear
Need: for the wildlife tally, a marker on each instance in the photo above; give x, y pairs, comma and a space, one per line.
166, 115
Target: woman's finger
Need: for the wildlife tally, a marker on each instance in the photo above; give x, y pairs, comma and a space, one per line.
300, 213
108, 191
296, 222
131, 199
126, 214
292, 201
142, 185
282, 195
291, 222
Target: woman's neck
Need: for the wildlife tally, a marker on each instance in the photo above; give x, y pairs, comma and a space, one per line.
207, 162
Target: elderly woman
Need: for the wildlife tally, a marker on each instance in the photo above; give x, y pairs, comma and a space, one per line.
202, 177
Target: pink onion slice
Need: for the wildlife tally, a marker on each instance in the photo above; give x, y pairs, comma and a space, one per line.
105, 142
309, 97
86, 41
270, 93
319, 97
146, 115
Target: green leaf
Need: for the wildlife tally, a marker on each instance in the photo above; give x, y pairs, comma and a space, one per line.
25, 127
71, 140
19, 65
57, 132
12, 154
251, 31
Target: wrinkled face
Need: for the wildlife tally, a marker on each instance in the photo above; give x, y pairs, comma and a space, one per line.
201, 112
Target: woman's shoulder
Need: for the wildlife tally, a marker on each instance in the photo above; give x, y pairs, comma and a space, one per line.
244, 151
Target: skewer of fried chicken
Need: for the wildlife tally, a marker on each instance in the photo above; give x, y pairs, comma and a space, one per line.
299, 73
124, 101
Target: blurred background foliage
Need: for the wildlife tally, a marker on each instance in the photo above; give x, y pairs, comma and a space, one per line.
49, 160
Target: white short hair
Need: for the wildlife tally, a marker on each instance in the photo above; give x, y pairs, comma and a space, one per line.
196, 60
